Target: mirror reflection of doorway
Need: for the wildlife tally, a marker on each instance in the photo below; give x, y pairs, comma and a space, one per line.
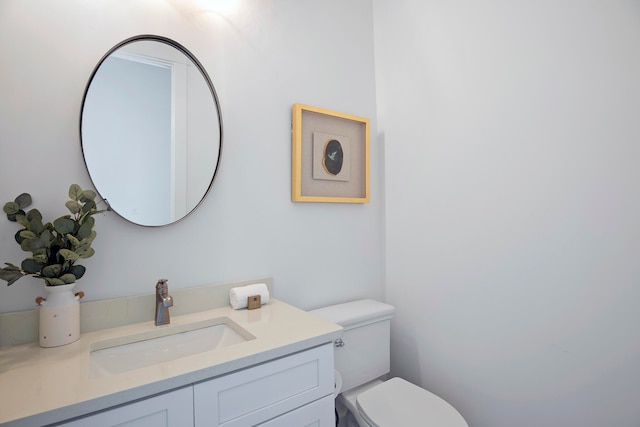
135, 123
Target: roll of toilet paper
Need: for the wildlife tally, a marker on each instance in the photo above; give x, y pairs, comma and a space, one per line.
238, 296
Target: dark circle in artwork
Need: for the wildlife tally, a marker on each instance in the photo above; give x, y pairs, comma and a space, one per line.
333, 157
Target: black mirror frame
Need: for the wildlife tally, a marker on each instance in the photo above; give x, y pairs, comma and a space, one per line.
188, 54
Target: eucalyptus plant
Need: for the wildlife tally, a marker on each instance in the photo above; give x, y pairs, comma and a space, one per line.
55, 247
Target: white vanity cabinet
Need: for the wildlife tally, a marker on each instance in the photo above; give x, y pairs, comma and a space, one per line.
290, 387
174, 408
292, 391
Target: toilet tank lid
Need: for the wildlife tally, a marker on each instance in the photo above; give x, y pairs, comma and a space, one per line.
355, 312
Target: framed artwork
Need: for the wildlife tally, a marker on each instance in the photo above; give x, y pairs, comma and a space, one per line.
330, 156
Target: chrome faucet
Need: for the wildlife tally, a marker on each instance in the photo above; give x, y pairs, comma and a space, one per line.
163, 302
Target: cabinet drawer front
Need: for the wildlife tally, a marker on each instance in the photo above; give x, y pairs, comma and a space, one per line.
262, 392
166, 410
317, 414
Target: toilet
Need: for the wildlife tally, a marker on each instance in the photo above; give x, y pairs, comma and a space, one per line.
362, 358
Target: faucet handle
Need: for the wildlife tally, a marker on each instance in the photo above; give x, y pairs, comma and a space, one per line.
167, 301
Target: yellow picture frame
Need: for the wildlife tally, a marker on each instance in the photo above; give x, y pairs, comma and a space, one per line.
330, 156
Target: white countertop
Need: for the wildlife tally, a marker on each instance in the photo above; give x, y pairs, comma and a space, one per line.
45, 385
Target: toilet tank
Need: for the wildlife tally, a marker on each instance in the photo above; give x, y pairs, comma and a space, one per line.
363, 354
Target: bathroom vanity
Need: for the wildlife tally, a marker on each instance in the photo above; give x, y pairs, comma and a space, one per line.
272, 366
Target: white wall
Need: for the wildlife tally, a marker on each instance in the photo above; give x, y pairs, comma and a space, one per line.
511, 140
262, 57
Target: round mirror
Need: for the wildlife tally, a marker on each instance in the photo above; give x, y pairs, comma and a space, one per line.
151, 130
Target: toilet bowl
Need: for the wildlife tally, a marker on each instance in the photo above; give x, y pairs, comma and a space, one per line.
362, 359
397, 402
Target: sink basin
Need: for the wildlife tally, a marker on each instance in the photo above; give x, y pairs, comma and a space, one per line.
164, 344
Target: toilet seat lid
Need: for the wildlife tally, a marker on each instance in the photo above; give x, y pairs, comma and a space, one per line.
399, 403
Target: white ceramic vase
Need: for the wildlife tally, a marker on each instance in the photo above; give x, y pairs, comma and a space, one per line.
59, 316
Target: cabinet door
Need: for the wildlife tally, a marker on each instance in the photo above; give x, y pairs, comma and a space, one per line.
172, 409
320, 413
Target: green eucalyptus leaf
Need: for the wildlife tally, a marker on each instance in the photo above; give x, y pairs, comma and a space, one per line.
41, 251
75, 192
36, 225
34, 214
73, 206
88, 196
64, 225
10, 275
85, 251
53, 270
31, 265
27, 234
68, 255
89, 220
10, 266
73, 240
11, 208
24, 200
77, 270
68, 278
89, 239
41, 258
84, 231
